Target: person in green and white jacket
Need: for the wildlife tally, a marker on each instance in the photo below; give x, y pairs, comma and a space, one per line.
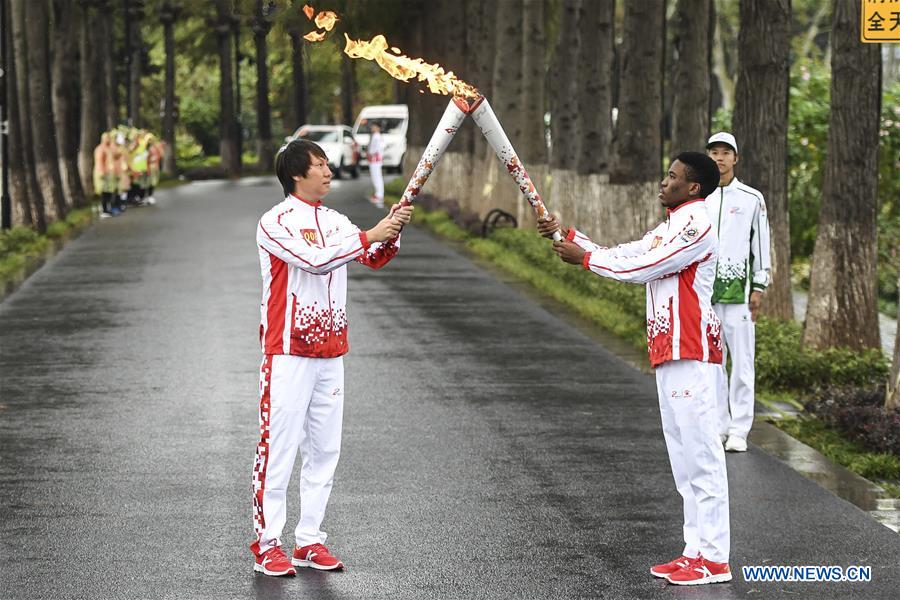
738, 215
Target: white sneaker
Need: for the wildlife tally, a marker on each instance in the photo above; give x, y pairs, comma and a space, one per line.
735, 443
151, 200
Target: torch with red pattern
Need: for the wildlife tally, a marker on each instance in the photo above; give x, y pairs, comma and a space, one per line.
487, 121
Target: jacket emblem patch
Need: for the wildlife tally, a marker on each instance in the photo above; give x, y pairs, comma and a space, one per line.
689, 234
310, 235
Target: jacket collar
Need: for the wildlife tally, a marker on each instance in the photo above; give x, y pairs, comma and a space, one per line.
732, 184
303, 200
669, 211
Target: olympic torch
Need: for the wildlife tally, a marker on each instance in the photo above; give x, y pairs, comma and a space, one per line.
454, 115
487, 121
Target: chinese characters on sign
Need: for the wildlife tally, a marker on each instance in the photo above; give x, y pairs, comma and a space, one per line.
880, 21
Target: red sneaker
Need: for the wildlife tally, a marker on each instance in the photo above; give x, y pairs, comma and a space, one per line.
316, 556
668, 568
272, 562
701, 571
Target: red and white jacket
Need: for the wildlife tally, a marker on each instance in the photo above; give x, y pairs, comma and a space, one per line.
677, 261
303, 249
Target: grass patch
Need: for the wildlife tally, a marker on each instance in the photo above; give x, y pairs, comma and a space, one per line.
20, 244
881, 467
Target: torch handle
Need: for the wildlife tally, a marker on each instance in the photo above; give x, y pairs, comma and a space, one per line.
487, 121
443, 135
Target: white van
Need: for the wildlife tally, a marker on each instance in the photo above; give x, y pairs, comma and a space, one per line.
394, 119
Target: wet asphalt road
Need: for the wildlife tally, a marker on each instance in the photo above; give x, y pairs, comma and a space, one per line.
490, 449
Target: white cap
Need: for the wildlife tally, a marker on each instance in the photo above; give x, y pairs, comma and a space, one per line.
722, 138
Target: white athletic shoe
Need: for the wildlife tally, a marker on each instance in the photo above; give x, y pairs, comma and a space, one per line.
151, 200
735, 443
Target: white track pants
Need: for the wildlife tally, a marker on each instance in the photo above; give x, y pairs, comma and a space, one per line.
687, 405
377, 179
736, 396
301, 408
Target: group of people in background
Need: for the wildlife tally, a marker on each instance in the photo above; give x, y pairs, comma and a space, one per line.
126, 168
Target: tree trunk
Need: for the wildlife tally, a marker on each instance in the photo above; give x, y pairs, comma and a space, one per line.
21, 210
637, 147
168, 14
92, 96
135, 63
720, 65
228, 143
107, 57
533, 148
480, 39
892, 401
23, 97
597, 31
690, 83
66, 118
265, 149
761, 125
299, 80
507, 77
564, 85
46, 163
843, 301
348, 89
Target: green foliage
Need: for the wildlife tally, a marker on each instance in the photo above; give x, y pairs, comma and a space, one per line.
782, 363
20, 243
872, 465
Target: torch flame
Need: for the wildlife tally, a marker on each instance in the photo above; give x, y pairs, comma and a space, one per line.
405, 68
314, 36
326, 20
308, 11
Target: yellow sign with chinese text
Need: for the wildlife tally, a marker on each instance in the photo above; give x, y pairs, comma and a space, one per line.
880, 21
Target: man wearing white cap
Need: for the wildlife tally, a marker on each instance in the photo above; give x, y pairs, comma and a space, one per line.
738, 215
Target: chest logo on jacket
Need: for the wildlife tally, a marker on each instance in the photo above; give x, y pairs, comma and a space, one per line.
311, 236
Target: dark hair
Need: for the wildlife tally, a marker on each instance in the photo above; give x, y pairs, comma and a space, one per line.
294, 159
699, 168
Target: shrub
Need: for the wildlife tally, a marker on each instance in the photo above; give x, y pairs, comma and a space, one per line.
860, 414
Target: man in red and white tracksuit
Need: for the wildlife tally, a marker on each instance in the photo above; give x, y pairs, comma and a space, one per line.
303, 251
677, 263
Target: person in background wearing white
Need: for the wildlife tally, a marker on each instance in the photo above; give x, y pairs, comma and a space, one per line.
738, 215
375, 156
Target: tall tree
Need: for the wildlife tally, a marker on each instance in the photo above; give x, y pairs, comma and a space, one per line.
228, 142
93, 94
533, 147
18, 184
564, 89
761, 125
348, 88
300, 94
22, 107
64, 79
265, 149
843, 301
597, 32
168, 14
691, 79
637, 146
721, 53
105, 12
40, 113
135, 61
480, 41
507, 78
